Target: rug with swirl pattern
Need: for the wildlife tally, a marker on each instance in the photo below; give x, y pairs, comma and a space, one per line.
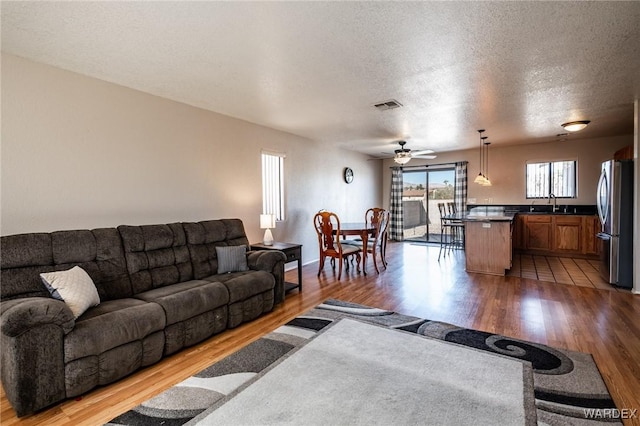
567, 385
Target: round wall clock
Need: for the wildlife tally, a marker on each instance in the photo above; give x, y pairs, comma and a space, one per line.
348, 175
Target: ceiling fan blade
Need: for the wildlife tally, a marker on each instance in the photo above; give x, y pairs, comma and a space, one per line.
426, 157
421, 152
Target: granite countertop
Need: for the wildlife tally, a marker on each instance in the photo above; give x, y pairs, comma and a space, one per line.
537, 209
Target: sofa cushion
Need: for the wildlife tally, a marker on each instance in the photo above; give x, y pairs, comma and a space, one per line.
74, 286
24, 256
204, 237
99, 252
232, 259
187, 299
156, 255
243, 285
112, 324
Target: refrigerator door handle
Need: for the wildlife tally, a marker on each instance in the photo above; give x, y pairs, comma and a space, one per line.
602, 214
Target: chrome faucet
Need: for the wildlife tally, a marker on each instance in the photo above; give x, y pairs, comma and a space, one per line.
555, 207
531, 209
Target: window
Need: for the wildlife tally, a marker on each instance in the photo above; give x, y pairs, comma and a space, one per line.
273, 184
557, 178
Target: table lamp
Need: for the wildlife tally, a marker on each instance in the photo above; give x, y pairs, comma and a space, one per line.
267, 221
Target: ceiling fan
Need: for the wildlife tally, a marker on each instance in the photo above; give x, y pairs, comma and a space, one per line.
403, 155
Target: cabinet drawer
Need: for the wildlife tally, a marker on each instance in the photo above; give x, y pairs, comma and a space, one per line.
543, 218
568, 220
293, 255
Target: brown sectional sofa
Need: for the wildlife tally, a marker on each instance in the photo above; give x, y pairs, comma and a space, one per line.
159, 292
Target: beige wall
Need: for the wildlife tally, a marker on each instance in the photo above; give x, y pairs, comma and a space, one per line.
83, 153
507, 168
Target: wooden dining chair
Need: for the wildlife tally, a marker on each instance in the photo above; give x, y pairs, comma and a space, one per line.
384, 233
377, 245
371, 217
327, 225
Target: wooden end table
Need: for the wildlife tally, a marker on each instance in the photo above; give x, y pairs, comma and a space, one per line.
293, 253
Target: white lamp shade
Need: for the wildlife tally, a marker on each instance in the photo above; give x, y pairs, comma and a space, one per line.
267, 221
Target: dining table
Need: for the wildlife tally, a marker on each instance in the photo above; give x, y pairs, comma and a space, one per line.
364, 231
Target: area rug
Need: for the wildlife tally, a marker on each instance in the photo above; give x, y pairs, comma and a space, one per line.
455, 389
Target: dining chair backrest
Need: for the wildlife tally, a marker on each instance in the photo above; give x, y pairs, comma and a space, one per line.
373, 215
452, 208
327, 225
443, 210
383, 229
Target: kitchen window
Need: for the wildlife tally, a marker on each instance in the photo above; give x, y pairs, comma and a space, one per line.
273, 184
556, 177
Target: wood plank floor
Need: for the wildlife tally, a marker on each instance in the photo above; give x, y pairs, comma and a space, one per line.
602, 322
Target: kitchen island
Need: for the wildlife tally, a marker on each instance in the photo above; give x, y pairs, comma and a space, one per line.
487, 241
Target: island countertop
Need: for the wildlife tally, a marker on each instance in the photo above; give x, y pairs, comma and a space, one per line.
490, 216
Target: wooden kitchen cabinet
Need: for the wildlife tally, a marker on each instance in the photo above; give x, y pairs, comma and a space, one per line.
560, 235
488, 246
591, 228
537, 232
567, 234
625, 153
518, 232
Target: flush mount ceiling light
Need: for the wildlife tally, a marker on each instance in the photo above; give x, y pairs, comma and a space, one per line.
574, 126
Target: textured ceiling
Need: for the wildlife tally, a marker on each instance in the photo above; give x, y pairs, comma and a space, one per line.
315, 69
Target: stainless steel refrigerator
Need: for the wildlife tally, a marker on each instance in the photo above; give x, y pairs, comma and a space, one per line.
615, 208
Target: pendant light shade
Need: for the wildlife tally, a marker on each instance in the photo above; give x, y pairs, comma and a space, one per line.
480, 178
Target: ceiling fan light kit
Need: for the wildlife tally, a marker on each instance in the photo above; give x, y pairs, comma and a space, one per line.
402, 158
575, 126
404, 155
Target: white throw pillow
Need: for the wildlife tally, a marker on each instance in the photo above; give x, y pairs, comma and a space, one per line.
75, 287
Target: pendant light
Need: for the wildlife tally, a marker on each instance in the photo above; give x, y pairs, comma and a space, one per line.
480, 178
486, 182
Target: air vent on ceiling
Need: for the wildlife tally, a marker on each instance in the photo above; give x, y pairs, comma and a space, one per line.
390, 104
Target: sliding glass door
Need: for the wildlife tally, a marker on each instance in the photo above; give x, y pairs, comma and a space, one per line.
421, 193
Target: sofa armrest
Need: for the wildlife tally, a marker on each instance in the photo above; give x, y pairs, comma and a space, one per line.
271, 261
19, 315
32, 351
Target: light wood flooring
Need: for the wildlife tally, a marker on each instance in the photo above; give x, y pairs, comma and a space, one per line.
601, 322
561, 270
